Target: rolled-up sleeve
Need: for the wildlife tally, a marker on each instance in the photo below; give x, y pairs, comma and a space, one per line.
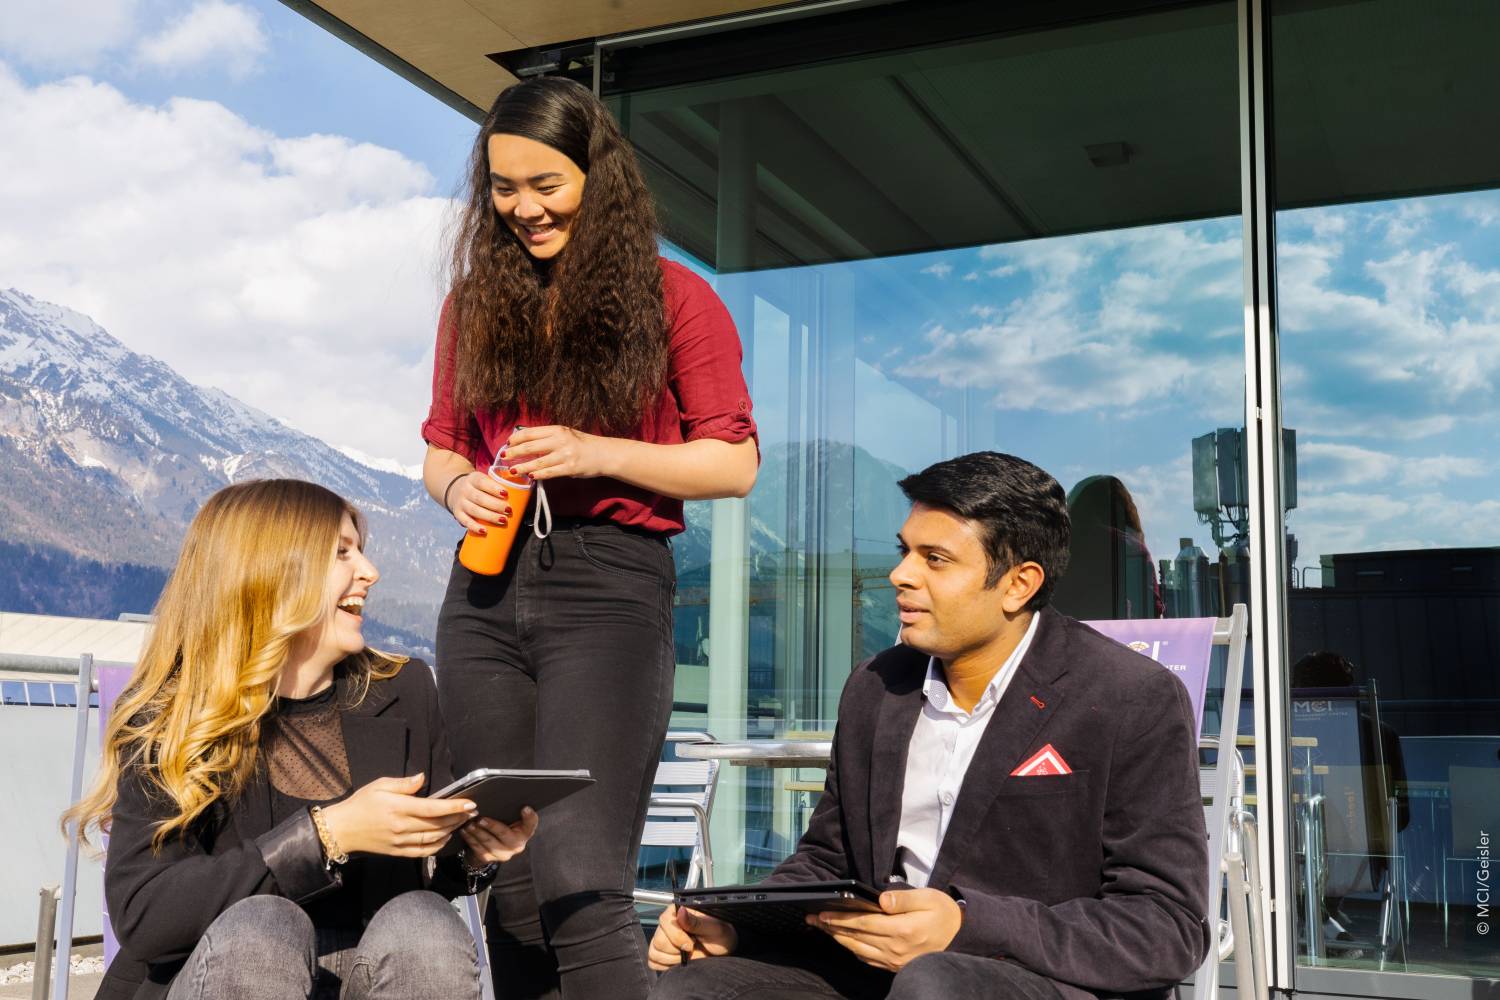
447, 425
705, 370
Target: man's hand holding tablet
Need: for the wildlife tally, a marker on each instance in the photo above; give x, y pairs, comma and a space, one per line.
911, 923
884, 929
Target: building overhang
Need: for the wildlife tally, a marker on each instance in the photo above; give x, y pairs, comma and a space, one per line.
458, 50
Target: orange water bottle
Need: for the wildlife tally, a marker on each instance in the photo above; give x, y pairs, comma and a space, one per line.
486, 554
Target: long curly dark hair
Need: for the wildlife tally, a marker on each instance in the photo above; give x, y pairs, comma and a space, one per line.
583, 338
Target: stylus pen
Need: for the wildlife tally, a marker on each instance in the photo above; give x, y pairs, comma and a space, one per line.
686, 954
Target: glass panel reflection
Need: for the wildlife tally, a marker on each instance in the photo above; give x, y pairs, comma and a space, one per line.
1100, 356
1390, 313
931, 248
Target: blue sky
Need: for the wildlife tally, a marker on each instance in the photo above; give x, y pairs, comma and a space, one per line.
1106, 353
227, 187
287, 76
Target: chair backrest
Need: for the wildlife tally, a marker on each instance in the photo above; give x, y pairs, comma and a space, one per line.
680, 790
1185, 646
107, 679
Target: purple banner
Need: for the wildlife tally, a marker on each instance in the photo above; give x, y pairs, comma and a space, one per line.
1182, 645
112, 681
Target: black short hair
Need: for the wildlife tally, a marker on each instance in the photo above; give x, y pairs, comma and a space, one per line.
1022, 511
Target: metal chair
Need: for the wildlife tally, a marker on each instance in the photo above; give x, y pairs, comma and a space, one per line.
107, 680
677, 815
1232, 858
1237, 873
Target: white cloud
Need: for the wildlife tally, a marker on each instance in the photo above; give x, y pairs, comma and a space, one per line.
214, 33
1319, 461
296, 273
1434, 469
1483, 209
64, 34
1090, 335
1414, 330
1479, 288
1350, 465
1345, 521
939, 270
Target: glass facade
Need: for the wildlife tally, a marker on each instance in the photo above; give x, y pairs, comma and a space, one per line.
944, 227
1021, 240
1389, 317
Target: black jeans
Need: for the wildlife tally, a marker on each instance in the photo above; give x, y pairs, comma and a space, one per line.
565, 660
821, 972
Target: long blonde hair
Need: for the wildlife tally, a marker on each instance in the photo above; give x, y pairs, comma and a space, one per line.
252, 577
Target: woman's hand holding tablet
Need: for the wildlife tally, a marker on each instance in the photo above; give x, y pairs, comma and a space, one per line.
387, 817
501, 794
489, 841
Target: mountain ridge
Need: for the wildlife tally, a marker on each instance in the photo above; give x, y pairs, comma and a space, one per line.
109, 452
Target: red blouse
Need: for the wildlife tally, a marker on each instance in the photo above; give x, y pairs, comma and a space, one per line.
705, 397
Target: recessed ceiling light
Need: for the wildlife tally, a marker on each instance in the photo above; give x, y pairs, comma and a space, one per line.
1109, 154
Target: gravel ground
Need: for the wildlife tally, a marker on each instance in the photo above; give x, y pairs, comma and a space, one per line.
79, 965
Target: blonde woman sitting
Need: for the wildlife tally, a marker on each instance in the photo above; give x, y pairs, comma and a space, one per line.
264, 777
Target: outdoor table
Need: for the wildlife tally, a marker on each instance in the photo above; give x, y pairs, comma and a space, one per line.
762, 753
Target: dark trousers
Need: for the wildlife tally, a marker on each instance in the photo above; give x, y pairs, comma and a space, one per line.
825, 971
565, 660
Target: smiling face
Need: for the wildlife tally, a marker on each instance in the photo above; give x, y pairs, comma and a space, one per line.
945, 608
342, 631
536, 191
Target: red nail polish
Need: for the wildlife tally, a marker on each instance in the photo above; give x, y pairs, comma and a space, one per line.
507, 510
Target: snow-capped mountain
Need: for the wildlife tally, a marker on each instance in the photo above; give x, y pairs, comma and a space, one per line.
107, 453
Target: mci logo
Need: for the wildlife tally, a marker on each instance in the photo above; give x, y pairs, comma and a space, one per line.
1154, 650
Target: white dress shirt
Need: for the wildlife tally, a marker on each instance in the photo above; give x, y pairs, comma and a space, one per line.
942, 746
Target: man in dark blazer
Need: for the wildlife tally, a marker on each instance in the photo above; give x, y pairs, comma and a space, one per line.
1027, 787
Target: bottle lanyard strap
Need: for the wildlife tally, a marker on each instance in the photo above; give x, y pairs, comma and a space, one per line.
543, 512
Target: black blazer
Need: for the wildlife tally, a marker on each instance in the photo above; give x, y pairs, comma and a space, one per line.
1096, 879
160, 905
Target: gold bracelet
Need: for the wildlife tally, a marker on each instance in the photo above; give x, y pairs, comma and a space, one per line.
331, 853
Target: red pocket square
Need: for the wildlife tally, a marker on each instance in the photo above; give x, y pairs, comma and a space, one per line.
1046, 761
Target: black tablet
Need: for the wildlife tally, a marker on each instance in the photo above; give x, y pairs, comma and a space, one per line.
780, 908
500, 794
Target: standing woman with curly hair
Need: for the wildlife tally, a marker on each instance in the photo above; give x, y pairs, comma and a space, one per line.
568, 347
